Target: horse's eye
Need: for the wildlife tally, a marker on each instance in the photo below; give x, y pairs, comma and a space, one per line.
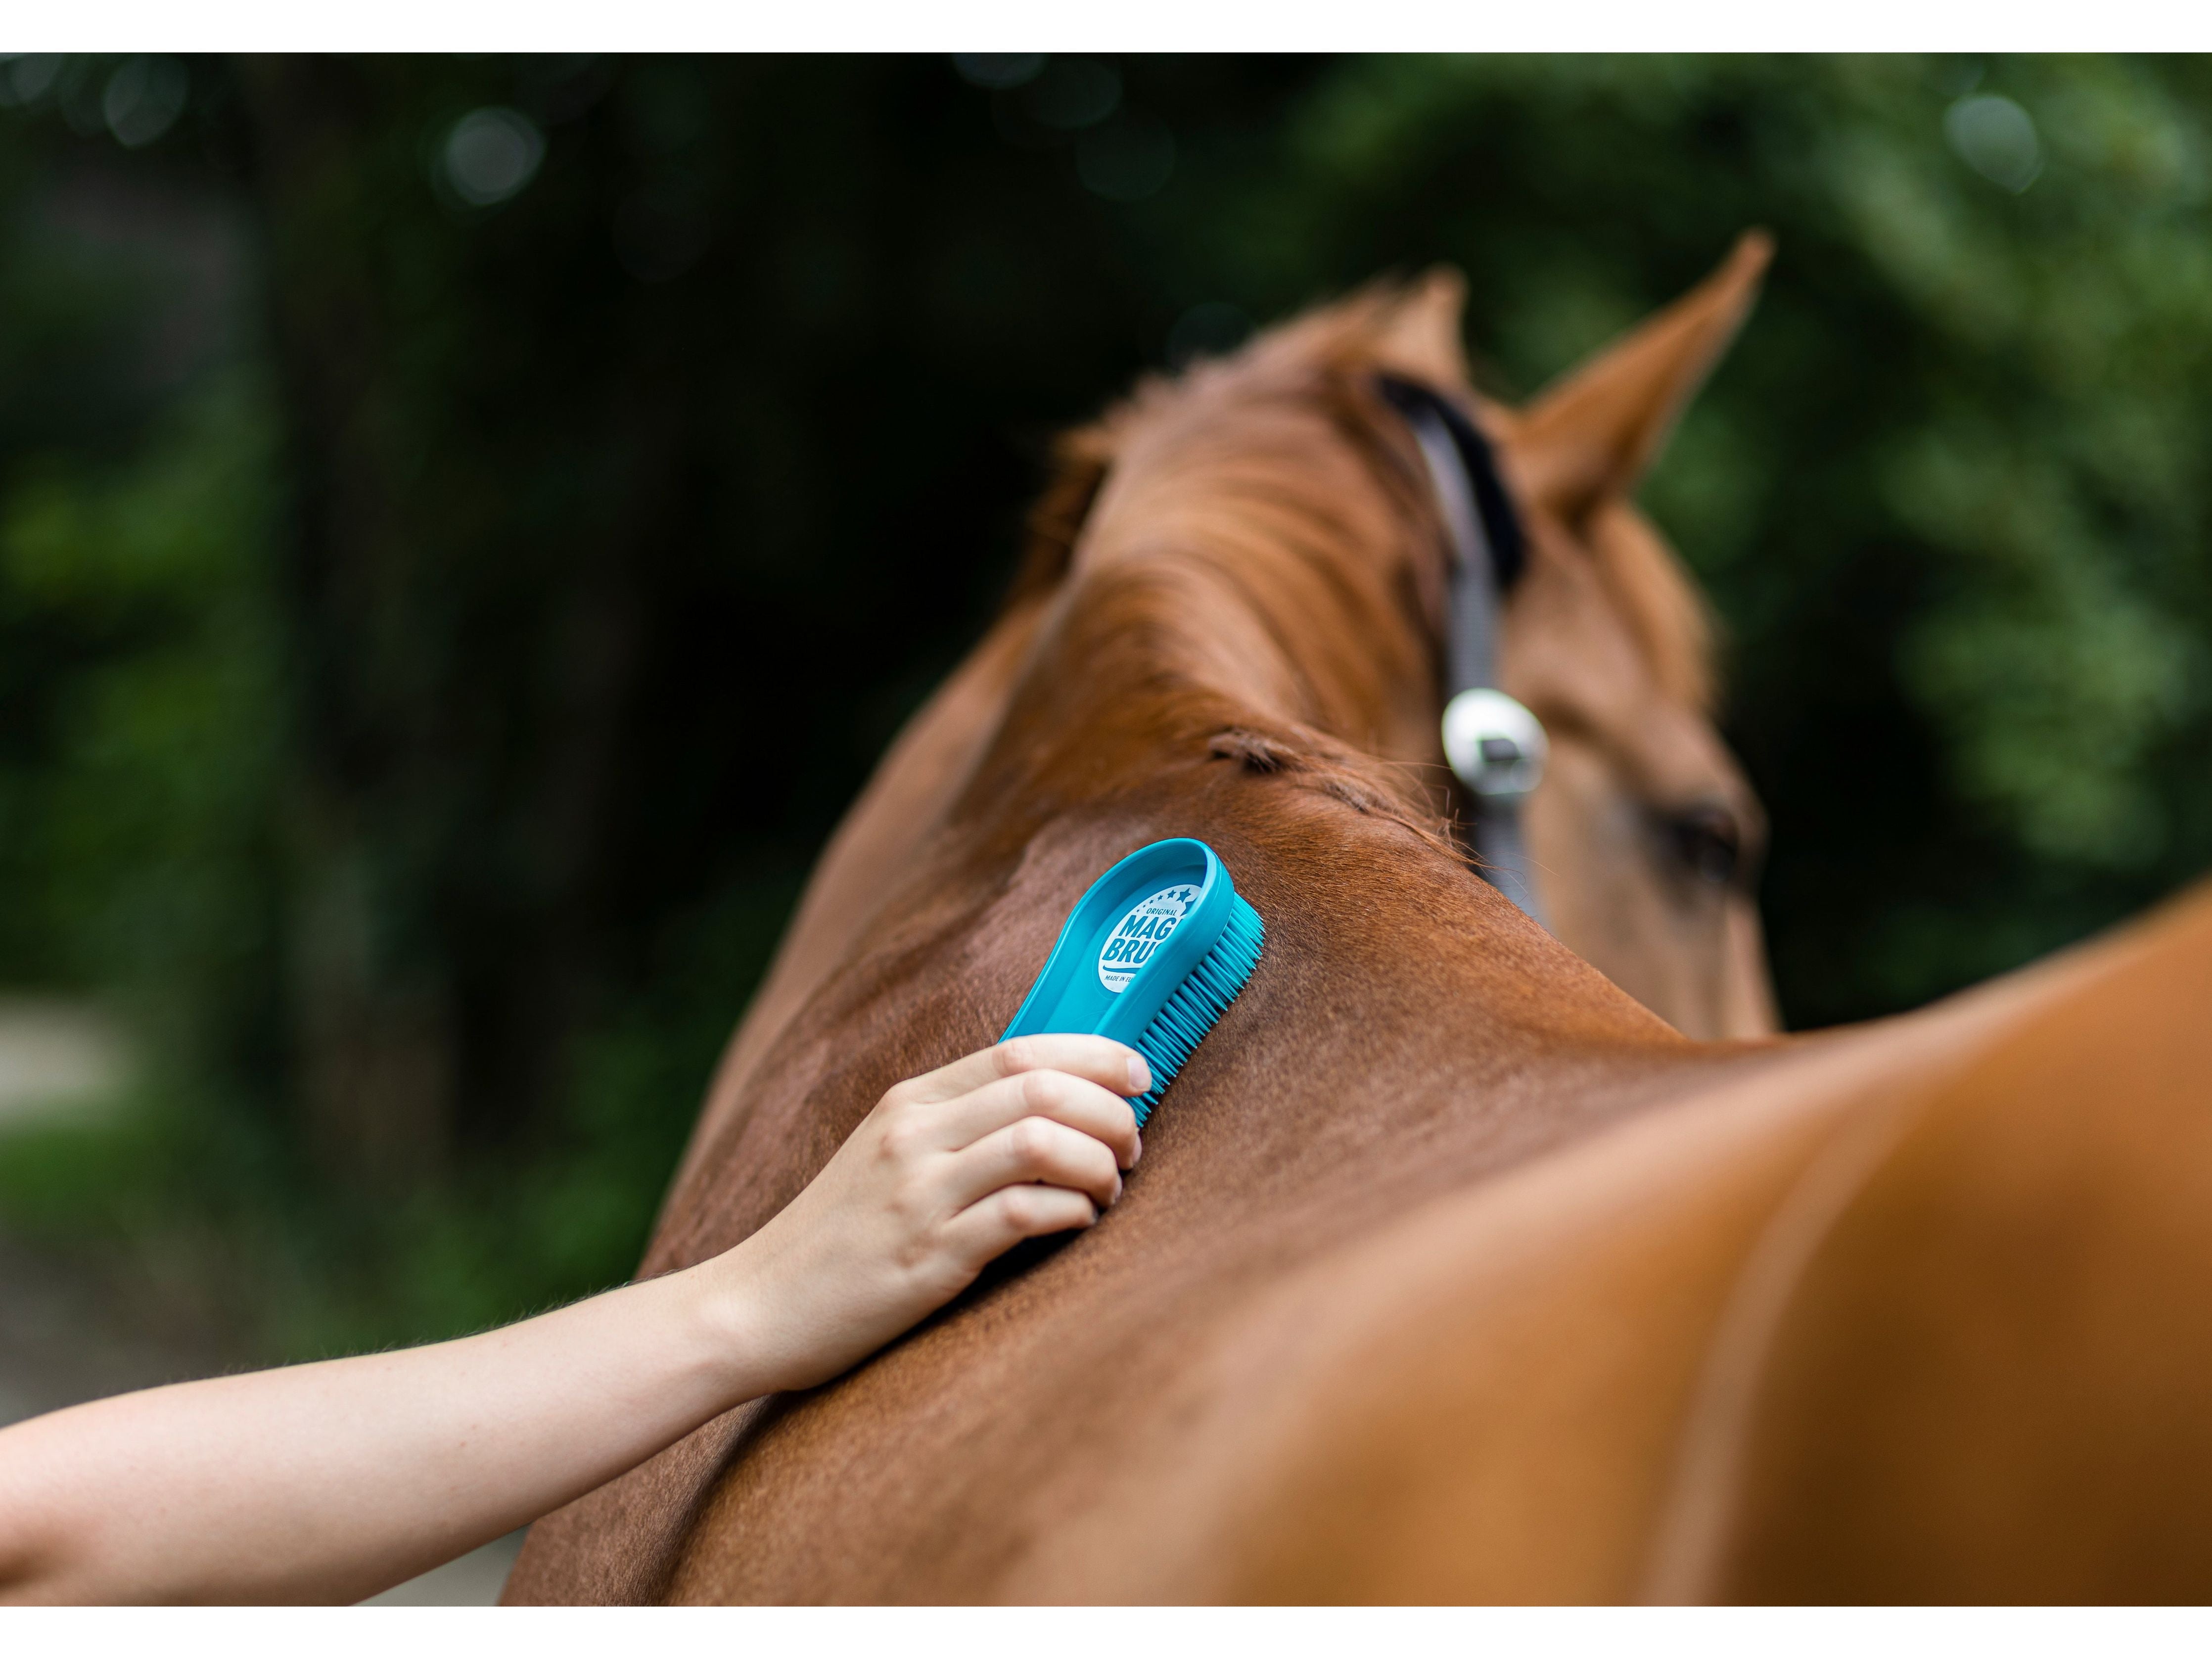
1708, 842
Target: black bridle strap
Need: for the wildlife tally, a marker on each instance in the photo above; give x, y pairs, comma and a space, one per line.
1477, 467
1500, 763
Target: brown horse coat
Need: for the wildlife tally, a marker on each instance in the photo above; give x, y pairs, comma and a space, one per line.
1451, 1272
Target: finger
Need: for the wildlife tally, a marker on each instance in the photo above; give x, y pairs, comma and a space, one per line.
1074, 1101
993, 1224
1033, 1149
1111, 1064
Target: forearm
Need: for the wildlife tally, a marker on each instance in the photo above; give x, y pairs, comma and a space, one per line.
329, 1481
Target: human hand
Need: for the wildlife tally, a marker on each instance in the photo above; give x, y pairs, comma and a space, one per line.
1026, 1137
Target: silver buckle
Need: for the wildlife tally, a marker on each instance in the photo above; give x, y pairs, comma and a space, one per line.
1497, 748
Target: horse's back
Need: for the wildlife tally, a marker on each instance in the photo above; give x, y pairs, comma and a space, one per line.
1916, 1315
1990, 1379
1913, 1312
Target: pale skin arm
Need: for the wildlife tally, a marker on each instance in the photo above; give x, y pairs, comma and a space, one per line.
329, 1482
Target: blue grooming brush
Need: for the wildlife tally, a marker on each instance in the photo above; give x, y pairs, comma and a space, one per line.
1151, 956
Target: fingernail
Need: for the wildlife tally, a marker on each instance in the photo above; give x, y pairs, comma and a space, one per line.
1140, 1075
1137, 1157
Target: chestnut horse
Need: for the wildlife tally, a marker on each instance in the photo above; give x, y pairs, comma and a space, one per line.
1452, 1271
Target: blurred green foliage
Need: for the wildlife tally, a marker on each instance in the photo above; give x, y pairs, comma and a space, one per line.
467, 527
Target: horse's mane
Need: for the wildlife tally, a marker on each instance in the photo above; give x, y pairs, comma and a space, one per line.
1339, 346
1235, 474
1329, 353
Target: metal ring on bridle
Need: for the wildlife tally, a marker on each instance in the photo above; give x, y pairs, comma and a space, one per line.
1497, 748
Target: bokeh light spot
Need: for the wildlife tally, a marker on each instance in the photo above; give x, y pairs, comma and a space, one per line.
25, 77
144, 98
1995, 137
491, 154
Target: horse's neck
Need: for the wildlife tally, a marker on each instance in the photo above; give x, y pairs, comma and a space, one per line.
1151, 660
1172, 695
1157, 672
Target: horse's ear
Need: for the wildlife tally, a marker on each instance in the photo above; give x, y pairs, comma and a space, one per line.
1590, 435
1420, 335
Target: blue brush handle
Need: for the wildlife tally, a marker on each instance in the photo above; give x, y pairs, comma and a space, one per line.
1070, 995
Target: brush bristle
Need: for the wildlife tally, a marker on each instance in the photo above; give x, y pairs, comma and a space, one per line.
1186, 1017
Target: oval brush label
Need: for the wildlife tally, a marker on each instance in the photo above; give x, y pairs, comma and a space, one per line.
1138, 934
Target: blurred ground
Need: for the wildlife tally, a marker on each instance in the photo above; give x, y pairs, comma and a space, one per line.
474, 1581
56, 1057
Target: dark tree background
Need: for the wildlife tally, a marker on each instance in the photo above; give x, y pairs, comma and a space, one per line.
467, 526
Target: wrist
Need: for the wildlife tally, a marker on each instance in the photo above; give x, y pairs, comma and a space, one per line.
726, 1331
718, 1335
